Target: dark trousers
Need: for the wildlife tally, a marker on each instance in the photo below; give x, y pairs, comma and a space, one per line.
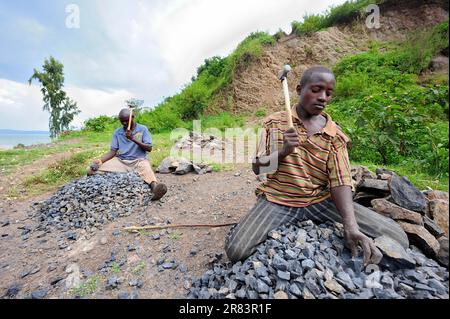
265, 216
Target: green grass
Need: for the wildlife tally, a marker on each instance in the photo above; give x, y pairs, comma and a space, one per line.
90, 138
174, 235
137, 271
92, 145
11, 159
343, 13
220, 121
391, 116
143, 232
162, 146
57, 174
248, 50
87, 288
190, 103
261, 112
219, 167
115, 268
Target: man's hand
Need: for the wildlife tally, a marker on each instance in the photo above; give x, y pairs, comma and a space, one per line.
96, 165
129, 135
290, 142
355, 238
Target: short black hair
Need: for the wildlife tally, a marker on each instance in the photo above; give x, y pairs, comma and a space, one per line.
124, 113
307, 75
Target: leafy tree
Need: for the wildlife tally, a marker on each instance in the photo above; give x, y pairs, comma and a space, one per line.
61, 108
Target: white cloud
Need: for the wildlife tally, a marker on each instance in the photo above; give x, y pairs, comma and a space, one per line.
93, 102
155, 47
142, 49
22, 104
204, 28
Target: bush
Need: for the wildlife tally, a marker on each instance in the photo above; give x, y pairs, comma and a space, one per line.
390, 118
279, 35
248, 50
311, 23
436, 156
162, 119
100, 123
214, 67
346, 12
191, 102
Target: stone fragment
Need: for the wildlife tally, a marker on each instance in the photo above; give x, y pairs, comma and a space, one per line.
333, 286
374, 185
439, 212
39, 293
406, 195
422, 238
396, 212
442, 256
435, 194
280, 295
434, 229
393, 250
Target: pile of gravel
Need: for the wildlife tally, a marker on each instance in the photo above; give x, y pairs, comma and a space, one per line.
310, 261
93, 201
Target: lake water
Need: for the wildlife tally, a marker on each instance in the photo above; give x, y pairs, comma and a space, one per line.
8, 141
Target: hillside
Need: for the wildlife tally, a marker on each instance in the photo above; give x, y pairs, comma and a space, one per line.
255, 85
246, 80
408, 53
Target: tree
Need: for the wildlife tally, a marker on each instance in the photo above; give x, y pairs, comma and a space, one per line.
61, 108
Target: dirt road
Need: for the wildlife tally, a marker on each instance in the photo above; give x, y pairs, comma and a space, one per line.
104, 264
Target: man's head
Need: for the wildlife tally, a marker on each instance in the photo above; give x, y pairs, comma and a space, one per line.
124, 117
315, 89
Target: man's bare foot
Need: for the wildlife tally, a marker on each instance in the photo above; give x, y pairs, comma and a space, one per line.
158, 190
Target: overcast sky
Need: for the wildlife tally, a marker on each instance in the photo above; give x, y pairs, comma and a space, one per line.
123, 48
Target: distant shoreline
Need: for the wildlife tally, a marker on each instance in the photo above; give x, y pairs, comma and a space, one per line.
20, 132
9, 140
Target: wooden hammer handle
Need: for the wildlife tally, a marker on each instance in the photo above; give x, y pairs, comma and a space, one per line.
288, 105
129, 120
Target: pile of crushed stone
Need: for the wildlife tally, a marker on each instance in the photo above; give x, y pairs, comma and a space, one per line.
93, 201
308, 261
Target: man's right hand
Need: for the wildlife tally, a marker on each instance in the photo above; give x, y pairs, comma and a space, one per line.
290, 142
96, 165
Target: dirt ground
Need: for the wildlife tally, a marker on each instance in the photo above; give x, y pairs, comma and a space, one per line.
37, 263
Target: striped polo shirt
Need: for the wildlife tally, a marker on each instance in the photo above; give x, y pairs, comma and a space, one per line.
307, 176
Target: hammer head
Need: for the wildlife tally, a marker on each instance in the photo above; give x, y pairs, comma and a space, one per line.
283, 73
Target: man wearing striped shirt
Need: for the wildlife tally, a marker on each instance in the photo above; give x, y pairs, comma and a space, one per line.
308, 175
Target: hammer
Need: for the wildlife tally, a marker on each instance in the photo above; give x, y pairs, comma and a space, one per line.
283, 78
131, 115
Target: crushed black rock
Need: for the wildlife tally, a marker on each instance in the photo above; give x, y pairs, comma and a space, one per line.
308, 261
93, 201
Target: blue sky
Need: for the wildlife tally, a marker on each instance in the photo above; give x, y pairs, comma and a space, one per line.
123, 49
